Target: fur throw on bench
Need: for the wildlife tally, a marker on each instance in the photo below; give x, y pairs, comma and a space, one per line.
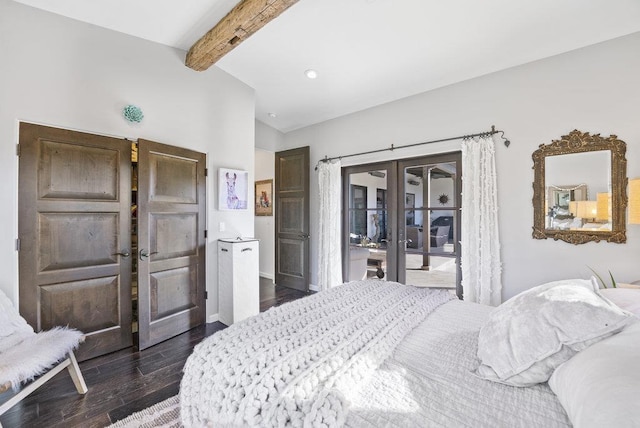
301, 363
25, 354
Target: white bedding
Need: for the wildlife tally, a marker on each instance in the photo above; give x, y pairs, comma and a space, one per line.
428, 382
425, 380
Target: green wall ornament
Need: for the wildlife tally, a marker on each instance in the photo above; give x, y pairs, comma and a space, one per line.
133, 113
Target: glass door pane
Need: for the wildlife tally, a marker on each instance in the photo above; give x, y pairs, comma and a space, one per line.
429, 256
370, 252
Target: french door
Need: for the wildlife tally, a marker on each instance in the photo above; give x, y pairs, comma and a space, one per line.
370, 221
402, 221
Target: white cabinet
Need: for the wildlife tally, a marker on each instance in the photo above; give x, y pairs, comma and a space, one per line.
238, 279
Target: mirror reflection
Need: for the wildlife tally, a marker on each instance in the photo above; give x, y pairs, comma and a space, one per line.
578, 191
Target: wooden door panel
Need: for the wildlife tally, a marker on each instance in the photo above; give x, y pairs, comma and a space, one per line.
173, 235
74, 217
291, 264
81, 304
292, 173
291, 215
173, 291
172, 179
63, 172
60, 233
171, 220
292, 218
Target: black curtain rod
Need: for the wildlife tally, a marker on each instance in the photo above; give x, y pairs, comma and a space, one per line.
392, 148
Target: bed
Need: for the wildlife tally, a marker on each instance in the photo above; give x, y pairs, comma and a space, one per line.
375, 353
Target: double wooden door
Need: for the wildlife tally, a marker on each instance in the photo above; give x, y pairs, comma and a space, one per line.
75, 238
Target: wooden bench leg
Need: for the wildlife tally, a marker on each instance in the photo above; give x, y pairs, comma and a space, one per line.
74, 370
76, 374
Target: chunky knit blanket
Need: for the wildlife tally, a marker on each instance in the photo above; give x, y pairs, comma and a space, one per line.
301, 364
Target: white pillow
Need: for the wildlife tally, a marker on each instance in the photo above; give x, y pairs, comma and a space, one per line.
531, 334
600, 386
626, 298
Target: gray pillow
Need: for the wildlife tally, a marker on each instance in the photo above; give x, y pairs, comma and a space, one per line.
531, 334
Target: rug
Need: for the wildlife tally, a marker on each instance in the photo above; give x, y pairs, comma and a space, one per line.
165, 414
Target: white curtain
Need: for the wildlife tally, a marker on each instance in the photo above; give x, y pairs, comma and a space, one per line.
480, 246
330, 264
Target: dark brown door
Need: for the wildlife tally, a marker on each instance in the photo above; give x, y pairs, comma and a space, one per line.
292, 218
75, 235
171, 241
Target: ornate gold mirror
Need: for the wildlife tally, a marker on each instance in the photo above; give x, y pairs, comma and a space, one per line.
580, 189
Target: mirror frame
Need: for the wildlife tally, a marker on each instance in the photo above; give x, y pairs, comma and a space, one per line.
580, 142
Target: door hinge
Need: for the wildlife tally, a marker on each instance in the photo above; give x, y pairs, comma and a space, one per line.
18, 244
18, 150
206, 295
206, 172
205, 233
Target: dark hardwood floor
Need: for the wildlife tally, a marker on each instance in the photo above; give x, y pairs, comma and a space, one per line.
122, 382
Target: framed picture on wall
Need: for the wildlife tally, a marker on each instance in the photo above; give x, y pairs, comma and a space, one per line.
233, 191
264, 197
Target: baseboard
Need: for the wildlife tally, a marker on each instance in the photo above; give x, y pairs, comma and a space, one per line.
313, 287
213, 318
267, 275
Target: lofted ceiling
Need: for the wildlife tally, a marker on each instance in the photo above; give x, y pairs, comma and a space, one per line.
366, 52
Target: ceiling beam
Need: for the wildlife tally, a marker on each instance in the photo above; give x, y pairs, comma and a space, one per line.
245, 18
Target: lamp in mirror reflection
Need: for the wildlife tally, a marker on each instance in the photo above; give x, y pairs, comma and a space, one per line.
587, 210
634, 201
603, 200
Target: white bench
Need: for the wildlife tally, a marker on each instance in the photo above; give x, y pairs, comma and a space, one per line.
33, 358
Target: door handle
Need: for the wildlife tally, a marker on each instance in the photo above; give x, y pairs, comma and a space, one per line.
246, 249
304, 236
123, 254
145, 254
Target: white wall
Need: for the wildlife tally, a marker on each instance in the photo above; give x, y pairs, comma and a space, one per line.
267, 141
60, 72
594, 89
268, 138
265, 225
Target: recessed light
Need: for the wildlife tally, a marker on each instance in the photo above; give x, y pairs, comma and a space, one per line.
272, 115
311, 73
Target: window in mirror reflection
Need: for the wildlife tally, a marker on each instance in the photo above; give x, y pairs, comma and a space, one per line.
578, 191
